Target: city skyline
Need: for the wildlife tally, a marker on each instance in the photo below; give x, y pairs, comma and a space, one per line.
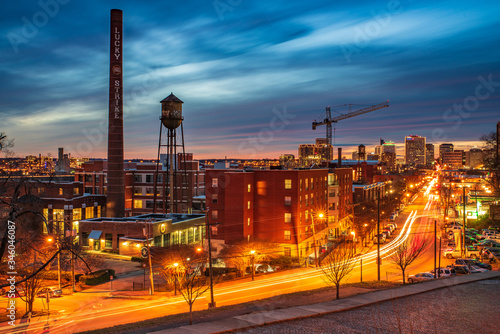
253, 76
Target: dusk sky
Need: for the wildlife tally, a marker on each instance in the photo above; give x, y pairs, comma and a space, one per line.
238, 64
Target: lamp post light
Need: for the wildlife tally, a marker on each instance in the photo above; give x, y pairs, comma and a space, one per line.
50, 239
252, 252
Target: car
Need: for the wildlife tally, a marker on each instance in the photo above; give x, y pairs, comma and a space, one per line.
387, 234
420, 277
52, 291
473, 262
260, 268
453, 228
461, 269
474, 269
388, 230
381, 238
445, 272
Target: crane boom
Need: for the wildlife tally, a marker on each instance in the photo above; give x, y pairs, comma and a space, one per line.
329, 120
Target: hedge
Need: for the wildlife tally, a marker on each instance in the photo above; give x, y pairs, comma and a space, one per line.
98, 277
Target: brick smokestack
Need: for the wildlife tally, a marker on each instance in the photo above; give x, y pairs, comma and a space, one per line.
340, 157
115, 206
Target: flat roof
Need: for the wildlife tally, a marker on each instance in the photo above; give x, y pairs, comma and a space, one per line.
150, 217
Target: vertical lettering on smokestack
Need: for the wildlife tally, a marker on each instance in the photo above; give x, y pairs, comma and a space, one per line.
115, 206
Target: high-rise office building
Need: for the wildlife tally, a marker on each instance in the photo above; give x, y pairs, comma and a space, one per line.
415, 150
443, 148
429, 154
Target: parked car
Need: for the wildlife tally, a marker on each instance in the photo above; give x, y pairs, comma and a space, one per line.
387, 234
476, 263
488, 243
453, 228
381, 238
461, 269
445, 272
456, 253
260, 268
388, 230
52, 291
420, 277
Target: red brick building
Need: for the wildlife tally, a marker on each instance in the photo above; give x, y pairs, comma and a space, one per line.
277, 206
189, 187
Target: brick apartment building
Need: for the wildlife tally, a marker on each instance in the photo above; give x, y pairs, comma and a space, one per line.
189, 187
276, 206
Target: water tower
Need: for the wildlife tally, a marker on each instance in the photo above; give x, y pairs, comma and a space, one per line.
173, 175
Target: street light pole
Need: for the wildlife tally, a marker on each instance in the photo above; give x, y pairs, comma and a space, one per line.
463, 228
253, 266
378, 234
314, 241
435, 246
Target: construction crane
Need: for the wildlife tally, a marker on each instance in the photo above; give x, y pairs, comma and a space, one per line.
329, 120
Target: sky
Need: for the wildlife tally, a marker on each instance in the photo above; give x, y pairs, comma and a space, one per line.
253, 75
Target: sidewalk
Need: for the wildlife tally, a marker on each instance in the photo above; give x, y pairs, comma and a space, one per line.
298, 312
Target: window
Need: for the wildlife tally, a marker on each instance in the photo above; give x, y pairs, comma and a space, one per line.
60, 191
137, 191
307, 215
149, 178
300, 185
157, 240
248, 205
77, 214
85, 238
137, 204
249, 187
307, 200
214, 230
89, 212
307, 184
288, 200
76, 191
288, 235
312, 183
300, 218
288, 217
215, 214
287, 251
138, 178
96, 191
109, 240
215, 182
248, 221
215, 197
150, 191
288, 184
88, 190
41, 191
312, 199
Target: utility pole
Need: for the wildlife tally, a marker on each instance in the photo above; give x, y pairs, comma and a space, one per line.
435, 246
146, 234
378, 234
463, 227
58, 243
210, 273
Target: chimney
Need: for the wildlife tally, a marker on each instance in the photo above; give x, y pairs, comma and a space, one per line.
115, 206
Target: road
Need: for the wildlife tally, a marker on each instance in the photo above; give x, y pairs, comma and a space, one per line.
100, 311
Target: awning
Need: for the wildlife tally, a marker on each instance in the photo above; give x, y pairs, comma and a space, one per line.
95, 234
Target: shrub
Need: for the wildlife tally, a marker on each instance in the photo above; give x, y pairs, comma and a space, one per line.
98, 277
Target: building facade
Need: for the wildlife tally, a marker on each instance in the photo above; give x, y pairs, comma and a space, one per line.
429, 154
415, 150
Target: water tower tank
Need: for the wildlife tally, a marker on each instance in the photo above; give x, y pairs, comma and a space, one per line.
171, 112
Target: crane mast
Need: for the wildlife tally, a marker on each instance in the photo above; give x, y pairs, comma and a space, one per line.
329, 120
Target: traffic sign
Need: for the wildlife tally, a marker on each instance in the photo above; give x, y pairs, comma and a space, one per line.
144, 252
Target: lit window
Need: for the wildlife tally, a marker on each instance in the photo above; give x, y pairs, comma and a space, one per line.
288, 200
287, 251
288, 184
288, 217
248, 221
248, 204
215, 198
215, 214
300, 185
307, 184
307, 200
215, 182
137, 204
249, 187
214, 230
288, 235
60, 191
307, 215
312, 183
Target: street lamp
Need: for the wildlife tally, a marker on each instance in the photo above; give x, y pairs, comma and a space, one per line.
252, 252
320, 215
50, 239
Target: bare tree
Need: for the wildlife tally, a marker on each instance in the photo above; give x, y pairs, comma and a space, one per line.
5, 145
184, 268
407, 252
338, 265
